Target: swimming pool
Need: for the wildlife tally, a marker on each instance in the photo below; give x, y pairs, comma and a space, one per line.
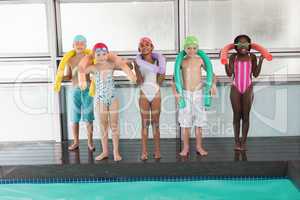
246, 189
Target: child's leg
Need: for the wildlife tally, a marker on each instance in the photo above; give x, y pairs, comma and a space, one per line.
75, 101
145, 115
199, 147
200, 120
155, 114
114, 124
247, 100
186, 142
89, 127
88, 116
75, 131
185, 119
102, 111
235, 98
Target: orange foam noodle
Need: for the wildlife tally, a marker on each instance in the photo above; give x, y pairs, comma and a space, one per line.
262, 50
224, 53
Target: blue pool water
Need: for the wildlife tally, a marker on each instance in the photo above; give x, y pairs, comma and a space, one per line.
278, 189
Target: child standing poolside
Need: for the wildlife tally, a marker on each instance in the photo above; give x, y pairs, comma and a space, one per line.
150, 69
107, 104
82, 106
193, 114
242, 65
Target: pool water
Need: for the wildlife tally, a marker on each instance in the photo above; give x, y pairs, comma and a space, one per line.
277, 189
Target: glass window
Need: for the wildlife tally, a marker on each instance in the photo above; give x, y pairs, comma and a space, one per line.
271, 23
28, 116
25, 71
23, 29
120, 24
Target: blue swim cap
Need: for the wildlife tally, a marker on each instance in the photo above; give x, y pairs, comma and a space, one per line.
79, 38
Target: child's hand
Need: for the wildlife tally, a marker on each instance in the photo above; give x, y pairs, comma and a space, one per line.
130, 64
177, 97
213, 90
140, 80
261, 58
134, 79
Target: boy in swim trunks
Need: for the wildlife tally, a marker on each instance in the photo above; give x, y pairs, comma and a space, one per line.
82, 106
193, 114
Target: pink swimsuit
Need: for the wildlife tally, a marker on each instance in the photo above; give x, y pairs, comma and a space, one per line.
242, 75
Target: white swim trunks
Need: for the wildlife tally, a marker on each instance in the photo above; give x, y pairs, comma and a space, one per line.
193, 114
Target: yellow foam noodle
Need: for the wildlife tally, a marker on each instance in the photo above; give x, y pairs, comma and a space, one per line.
61, 67
92, 89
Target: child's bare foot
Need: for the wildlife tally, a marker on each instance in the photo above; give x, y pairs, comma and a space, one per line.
157, 155
91, 147
102, 156
184, 153
73, 147
117, 156
202, 152
243, 147
237, 147
144, 156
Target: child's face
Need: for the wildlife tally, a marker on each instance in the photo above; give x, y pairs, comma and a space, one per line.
145, 48
243, 46
101, 56
191, 51
79, 47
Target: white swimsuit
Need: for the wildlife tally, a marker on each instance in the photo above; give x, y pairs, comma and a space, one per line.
149, 86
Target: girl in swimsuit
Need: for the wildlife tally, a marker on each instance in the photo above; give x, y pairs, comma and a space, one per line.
150, 71
242, 65
107, 105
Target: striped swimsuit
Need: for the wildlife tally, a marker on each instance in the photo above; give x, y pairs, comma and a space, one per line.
242, 79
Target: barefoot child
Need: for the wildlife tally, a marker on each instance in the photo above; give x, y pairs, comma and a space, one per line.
107, 104
81, 103
150, 70
242, 65
193, 113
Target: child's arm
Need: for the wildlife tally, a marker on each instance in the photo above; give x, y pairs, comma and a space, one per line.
256, 67
68, 76
120, 65
175, 93
160, 78
90, 68
213, 89
229, 67
139, 77
84, 63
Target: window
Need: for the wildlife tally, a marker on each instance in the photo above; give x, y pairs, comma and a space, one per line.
26, 71
23, 29
120, 24
271, 23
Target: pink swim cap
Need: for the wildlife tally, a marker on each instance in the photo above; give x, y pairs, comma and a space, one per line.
145, 40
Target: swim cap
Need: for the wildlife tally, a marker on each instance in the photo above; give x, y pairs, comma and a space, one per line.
145, 40
100, 47
190, 41
79, 38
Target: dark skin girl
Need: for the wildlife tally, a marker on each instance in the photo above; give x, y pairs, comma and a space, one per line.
150, 111
241, 103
